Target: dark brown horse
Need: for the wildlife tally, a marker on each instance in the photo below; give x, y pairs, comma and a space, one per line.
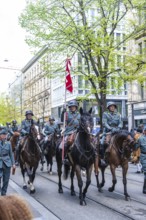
29, 157
81, 155
14, 141
119, 152
50, 151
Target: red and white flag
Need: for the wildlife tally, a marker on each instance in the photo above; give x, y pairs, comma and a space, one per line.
68, 82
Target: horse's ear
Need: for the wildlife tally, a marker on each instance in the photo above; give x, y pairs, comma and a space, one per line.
81, 110
90, 111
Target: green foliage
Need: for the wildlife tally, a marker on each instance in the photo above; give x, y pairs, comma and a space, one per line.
91, 29
8, 110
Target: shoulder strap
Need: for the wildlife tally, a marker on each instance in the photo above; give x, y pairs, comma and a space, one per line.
73, 119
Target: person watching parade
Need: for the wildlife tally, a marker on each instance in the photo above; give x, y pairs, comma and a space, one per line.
6, 162
111, 123
141, 143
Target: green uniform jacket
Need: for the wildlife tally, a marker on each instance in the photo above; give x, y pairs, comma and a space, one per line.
142, 144
111, 120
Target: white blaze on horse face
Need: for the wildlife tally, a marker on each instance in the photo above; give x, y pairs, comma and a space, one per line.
89, 129
38, 134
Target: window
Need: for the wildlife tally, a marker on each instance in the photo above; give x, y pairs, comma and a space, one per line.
79, 62
80, 81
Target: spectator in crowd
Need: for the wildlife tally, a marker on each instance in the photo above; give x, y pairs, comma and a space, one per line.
14, 208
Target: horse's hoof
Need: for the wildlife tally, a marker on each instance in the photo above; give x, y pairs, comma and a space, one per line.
100, 190
25, 187
83, 202
28, 182
110, 189
60, 190
127, 198
41, 169
101, 185
73, 193
32, 191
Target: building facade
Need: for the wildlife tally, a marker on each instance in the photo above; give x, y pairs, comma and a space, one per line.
37, 86
137, 90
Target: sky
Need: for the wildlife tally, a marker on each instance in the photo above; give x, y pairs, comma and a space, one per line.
12, 42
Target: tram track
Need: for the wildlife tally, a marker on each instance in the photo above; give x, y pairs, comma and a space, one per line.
98, 202
89, 197
42, 204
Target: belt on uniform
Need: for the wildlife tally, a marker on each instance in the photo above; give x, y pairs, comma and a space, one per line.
143, 152
3, 155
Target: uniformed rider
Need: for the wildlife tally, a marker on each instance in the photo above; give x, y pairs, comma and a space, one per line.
51, 127
72, 118
13, 128
111, 123
6, 162
25, 128
142, 144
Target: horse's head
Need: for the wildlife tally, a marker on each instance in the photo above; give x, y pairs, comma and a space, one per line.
34, 131
128, 144
86, 121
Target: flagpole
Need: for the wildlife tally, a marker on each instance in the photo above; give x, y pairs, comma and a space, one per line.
69, 87
64, 119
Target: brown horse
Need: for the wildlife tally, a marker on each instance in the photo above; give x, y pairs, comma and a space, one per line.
14, 141
119, 152
29, 157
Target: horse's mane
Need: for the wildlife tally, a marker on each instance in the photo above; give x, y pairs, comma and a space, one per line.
121, 135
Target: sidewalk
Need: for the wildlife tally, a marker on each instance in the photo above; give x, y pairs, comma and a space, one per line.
38, 210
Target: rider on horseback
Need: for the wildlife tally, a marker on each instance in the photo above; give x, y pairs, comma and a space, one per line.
50, 128
111, 123
25, 128
13, 128
71, 123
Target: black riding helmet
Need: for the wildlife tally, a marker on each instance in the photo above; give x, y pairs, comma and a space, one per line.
29, 112
73, 103
14, 122
51, 118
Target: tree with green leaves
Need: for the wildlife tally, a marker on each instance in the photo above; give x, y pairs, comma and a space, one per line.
8, 110
97, 31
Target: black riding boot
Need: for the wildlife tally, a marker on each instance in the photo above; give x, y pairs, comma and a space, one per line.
144, 186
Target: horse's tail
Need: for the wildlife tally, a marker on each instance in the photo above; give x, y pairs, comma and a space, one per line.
66, 171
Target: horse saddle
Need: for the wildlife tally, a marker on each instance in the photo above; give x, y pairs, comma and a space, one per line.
70, 139
107, 139
50, 137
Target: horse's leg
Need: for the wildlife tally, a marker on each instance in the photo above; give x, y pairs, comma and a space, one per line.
97, 173
80, 185
23, 174
72, 182
31, 179
124, 170
88, 181
51, 163
114, 180
59, 169
103, 177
